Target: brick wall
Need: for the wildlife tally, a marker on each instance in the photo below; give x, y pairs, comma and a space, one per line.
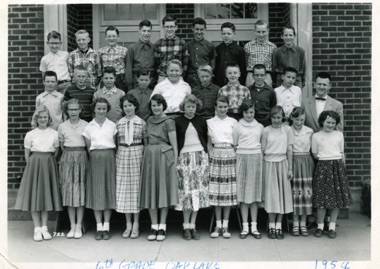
279, 16
25, 49
184, 13
78, 17
342, 47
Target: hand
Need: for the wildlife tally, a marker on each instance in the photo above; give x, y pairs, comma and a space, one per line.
290, 174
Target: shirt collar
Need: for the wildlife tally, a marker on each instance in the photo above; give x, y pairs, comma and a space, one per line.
283, 89
54, 93
108, 47
59, 52
303, 131
248, 124
174, 38
233, 84
293, 48
113, 90
266, 42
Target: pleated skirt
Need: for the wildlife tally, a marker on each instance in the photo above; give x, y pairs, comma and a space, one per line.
39, 188
101, 182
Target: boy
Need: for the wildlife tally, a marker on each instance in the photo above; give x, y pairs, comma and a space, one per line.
81, 92
114, 55
142, 93
111, 93
140, 56
201, 52
56, 60
51, 99
288, 95
228, 53
259, 51
207, 92
235, 92
87, 57
170, 47
262, 95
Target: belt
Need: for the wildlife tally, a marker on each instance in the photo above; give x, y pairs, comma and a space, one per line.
75, 148
131, 145
62, 81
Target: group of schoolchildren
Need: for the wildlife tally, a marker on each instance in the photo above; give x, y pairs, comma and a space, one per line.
188, 143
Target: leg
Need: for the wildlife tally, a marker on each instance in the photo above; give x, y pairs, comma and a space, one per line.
333, 217
71, 213
162, 226
272, 225
135, 226
193, 231
279, 234
296, 225
36, 216
244, 215
186, 224
226, 217
254, 208
99, 224
218, 217
303, 227
128, 230
153, 213
44, 229
78, 226
321, 213
106, 226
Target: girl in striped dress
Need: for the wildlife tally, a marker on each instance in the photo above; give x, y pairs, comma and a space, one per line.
222, 185
249, 158
303, 170
73, 167
131, 138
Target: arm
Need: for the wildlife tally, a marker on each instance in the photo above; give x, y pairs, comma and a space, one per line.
272, 100
129, 69
263, 141
209, 144
173, 142
56, 152
289, 156
27, 154
61, 145
88, 145
70, 67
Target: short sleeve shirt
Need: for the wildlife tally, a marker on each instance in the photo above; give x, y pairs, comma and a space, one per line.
328, 146
220, 130
41, 140
277, 142
302, 139
101, 137
71, 135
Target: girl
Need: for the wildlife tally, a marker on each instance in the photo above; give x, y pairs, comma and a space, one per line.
73, 167
330, 183
173, 88
303, 170
192, 166
130, 140
277, 146
247, 136
222, 186
39, 189
100, 142
159, 185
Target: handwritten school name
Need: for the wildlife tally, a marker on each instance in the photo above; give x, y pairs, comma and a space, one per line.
109, 264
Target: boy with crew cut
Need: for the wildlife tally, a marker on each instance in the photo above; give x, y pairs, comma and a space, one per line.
259, 51
170, 47
201, 52
56, 60
262, 95
140, 56
229, 53
114, 55
86, 57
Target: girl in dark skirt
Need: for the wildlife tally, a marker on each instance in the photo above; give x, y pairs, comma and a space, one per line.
330, 183
39, 189
100, 137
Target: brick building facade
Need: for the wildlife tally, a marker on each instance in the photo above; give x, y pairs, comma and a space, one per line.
341, 45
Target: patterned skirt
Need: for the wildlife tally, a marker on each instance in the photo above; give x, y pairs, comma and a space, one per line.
193, 180
277, 188
39, 189
73, 170
330, 185
303, 170
101, 182
222, 186
249, 180
128, 172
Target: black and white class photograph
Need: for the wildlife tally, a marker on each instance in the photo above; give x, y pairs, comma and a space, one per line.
192, 135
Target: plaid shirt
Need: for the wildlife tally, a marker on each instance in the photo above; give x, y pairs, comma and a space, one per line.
168, 49
256, 53
236, 94
113, 56
90, 60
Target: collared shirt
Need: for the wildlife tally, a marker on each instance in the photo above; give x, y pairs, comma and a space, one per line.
208, 96
168, 49
101, 137
53, 102
236, 94
256, 53
71, 135
200, 53
289, 57
264, 100
113, 56
89, 60
302, 139
288, 98
139, 56
320, 106
142, 97
41, 140
139, 130
226, 55
85, 99
113, 90
56, 62
113, 96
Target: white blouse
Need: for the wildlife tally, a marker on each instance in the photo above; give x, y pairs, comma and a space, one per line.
101, 137
41, 140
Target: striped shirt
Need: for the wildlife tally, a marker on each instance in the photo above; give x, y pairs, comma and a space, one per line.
113, 56
85, 99
256, 53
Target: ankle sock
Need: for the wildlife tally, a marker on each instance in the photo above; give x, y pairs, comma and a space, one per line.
332, 226
253, 226
278, 225
99, 227
129, 225
245, 227
320, 226
219, 223
225, 223
106, 226
162, 227
186, 226
303, 223
272, 225
192, 226
154, 226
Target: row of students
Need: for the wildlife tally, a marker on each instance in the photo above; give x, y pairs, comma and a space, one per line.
176, 171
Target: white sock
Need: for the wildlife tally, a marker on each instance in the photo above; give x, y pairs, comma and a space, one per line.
129, 225
106, 226
154, 226
320, 226
245, 227
332, 226
272, 225
296, 223
253, 226
303, 223
37, 229
225, 223
219, 223
162, 227
99, 227
278, 225
192, 226
186, 226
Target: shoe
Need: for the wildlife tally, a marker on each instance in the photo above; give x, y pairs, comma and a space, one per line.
99, 235
243, 234
153, 235
332, 234
279, 234
296, 231
304, 231
272, 233
71, 233
194, 234
186, 234
135, 233
216, 232
161, 235
226, 234
45, 233
318, 233
78, 232
37, 236
127, 233
106, 235
256, 234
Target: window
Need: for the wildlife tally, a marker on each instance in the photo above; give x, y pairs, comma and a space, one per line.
231, 11
117, 14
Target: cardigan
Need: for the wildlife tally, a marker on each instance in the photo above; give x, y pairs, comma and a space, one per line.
199, 124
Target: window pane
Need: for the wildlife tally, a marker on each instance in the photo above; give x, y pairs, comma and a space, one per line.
151, 11
124, 12
109, 12
137, 12
211, 11
250, 10
224, 11
237, 11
